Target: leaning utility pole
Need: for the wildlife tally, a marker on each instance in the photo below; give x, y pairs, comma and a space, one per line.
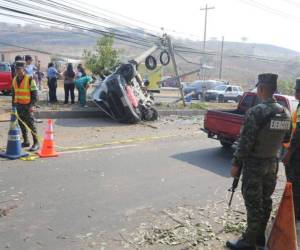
221, 59
204, 36
171, 51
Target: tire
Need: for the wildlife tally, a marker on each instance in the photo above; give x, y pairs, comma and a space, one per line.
226, 144
220, 99
6, 92
150, 62
161, 58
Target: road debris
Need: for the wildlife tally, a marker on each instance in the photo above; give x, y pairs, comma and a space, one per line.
6, 211
193, 227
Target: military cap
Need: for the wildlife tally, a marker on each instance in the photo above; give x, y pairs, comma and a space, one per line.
20, 64
297, 87
267, 78
18, 58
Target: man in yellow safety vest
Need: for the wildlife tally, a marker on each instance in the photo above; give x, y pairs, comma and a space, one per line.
24, 96
292, 157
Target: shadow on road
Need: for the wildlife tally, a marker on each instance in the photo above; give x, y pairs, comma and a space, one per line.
89, 122
216, 160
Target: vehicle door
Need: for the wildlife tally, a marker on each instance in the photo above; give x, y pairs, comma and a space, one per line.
235, 92
228, 92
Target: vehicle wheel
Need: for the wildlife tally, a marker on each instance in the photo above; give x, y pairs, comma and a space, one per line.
226, 144
238, 98
6, 92
220, 98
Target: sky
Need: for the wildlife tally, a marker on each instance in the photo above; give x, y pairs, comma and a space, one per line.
272, 22
233, 19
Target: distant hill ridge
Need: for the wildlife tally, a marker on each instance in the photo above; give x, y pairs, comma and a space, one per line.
243, 70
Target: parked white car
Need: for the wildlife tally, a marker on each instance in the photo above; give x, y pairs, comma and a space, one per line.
224, 93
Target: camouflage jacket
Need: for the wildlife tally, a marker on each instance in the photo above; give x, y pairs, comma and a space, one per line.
254, 119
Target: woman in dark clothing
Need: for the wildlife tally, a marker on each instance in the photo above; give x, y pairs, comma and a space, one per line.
52, 82
69, 85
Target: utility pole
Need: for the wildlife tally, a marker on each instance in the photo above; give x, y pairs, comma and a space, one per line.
205, 24
171, 51
204, 36
221, 59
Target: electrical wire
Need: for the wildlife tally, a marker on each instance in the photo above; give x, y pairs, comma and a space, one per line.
62, 19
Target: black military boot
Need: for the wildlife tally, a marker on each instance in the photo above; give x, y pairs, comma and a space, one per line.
239, 245
35, 146
261, 241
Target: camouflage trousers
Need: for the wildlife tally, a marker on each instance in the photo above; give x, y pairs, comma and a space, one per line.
258, 184
27, 117
293, 176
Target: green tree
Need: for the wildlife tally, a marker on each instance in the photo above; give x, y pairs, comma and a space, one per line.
286, 87
104, 58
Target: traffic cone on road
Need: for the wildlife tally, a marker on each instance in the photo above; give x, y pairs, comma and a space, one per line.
48, 144
283, 233
14, 147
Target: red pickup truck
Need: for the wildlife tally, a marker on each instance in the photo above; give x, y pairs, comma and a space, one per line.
5, 78
225, 126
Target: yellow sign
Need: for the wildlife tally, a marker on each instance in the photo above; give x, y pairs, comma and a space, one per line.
153, 76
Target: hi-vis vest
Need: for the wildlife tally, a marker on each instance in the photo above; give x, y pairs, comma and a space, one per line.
295, 114
22, 92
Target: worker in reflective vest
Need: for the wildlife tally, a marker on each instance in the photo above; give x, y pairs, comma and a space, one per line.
24, 96
292, 157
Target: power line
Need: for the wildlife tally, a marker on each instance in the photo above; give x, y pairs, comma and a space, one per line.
271, 10
53, 25
73, 21
241, 56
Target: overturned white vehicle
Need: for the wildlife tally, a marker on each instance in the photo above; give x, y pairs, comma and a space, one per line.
123, 96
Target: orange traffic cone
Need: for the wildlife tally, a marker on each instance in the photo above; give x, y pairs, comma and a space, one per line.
283, 233
48, 144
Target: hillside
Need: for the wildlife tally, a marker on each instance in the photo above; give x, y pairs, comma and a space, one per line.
241, 62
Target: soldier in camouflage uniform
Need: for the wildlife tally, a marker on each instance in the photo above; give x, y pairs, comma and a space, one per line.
24, 96
265, 126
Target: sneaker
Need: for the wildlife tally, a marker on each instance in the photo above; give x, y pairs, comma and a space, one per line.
35, 147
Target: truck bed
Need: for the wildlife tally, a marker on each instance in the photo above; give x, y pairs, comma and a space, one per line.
225, 125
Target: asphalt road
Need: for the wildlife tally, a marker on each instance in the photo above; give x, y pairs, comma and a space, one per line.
62, 202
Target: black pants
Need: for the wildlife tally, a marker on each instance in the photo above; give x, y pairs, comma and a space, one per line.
27, 117
52, 85
69, 89
293, 176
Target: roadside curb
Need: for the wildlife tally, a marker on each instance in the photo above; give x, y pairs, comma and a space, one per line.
59, 114
192, 112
